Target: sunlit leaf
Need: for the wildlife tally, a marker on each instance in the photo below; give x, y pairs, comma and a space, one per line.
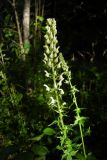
40, 18
49, 131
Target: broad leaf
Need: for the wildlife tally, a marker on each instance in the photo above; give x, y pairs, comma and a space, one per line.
49, 131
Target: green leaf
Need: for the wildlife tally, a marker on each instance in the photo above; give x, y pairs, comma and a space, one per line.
49, 131
40, 18
40, 150
80, 120
37, 138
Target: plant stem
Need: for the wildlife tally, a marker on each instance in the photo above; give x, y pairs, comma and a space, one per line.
83, 145
78, 115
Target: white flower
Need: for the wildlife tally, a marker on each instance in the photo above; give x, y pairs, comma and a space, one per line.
47, 88
47, 41
46, 36
52, 101
48, 29
61, 91
46, 73
57, 50
45, 57
61, 79
56, 60
66, 81
51, 55
55, 41
59, 65
49, 21
50, 64
50, 37
46, 49
60, 83
64, 103
51, 46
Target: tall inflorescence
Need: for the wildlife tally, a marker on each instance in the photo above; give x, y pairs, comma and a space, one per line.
58, 75
53, 72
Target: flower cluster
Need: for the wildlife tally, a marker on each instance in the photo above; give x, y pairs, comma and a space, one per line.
51, 49
53, 64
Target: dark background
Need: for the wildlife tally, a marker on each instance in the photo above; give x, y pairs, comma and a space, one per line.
82, 35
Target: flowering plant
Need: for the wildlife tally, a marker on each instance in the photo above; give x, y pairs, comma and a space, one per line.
58, 75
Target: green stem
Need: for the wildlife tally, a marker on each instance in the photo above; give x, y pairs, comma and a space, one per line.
82, 138
80, 127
